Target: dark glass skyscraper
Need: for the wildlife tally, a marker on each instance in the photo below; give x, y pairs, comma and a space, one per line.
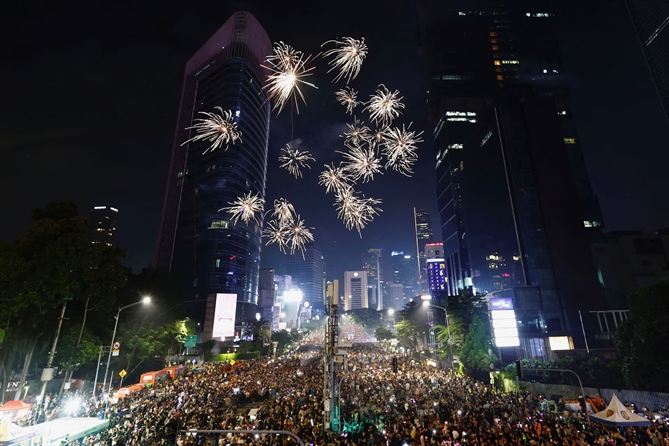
423, 227
102, 224
308, 274
651, 22
515, 202
205, 250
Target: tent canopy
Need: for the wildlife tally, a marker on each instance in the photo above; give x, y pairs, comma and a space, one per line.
11, 434
618, 415
14, 406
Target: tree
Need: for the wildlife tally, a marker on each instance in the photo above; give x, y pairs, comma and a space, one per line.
476, 353
643, 340
367, 317
407, 333
383, 334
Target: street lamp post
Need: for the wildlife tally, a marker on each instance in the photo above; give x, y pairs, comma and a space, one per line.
448, 329
145, 300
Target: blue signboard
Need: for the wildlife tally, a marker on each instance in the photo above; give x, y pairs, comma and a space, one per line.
501, 303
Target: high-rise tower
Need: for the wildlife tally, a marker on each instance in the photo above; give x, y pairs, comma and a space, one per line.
423, 227
102, 224
371, 262
307, 269
206, 251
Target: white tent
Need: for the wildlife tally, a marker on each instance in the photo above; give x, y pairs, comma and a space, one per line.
11, 434
618, 415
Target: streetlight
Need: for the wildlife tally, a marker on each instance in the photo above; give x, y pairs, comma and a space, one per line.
427, 303
145, 300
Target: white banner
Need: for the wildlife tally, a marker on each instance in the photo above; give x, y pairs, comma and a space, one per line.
224, 316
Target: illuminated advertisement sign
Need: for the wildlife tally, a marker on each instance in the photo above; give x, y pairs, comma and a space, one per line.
224, 316
501, 303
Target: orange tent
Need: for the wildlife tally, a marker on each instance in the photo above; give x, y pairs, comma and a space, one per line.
15, 405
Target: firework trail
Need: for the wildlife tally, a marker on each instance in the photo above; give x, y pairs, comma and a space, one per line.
362, 163
356, 212
219, 129
283, 211
299, 235
277, 233
335, 179
400, 149
356, 134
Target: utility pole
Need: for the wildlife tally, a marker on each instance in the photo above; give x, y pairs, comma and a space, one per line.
97, 370
47, 373
331, 380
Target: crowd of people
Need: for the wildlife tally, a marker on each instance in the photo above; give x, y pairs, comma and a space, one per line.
419, 405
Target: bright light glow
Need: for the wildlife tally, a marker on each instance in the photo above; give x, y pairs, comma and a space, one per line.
258, 316
146, 299
306, 305
73, 405
503, 314
113, 209
220, 129
503, 323
348, 98
361, 163
561, 343
431, 363
294, 160
507, 342
391, 311
426, 297
400, 148
384, 106
506, 332
356, 211
292, 296
224, 315
100, 207
335, 179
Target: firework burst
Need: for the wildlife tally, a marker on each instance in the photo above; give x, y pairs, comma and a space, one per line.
362, 163
356, 134
288, 71
384, 105
335, 179
294, 160
277, 233
348, 98
283, 211
400, 149
299, 235
245, 208
356, 212
218, 128
348, 55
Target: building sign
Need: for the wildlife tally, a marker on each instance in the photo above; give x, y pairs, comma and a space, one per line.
501, 303
224, 316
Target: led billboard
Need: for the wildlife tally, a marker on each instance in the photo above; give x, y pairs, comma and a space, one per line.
224, 316
501, 303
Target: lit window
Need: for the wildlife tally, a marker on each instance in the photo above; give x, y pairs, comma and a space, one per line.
493, 34
570, 140
510, 62
500, 77
493, 40
495, 56
456, 146
562, 112
545, 71
451, 77
495, 47
497, 62
218, 263
498, 69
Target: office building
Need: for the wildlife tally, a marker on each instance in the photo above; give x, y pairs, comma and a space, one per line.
423, 229
102, 225
307, 274
628, 260
371, 263
267, 294
395, 294
436, 276
651, 23
433, 251
355, 290
476, 51
205, 250
524, 225
404, 271
332, 292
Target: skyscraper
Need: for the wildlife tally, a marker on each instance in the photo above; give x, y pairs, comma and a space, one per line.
307, 274
423, 227
206, 251
477, 51
404, 272
355, 290
371, 263
102, 224
651, 22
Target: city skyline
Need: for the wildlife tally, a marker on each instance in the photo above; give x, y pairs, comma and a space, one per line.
97, 170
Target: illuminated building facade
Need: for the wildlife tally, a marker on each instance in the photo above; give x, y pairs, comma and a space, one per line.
371, 263
307, 274
204, 249
102, 224
404, 272
355, 290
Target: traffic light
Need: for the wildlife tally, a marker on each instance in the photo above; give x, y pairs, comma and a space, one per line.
395, 365
519, 370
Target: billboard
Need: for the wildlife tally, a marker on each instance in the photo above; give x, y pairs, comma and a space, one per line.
224, 316
501, 303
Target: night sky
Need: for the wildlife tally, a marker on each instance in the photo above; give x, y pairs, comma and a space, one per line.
90, 91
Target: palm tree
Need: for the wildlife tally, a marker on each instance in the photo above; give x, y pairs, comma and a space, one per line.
261, 329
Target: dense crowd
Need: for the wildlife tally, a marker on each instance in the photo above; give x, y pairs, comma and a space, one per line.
419, 405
